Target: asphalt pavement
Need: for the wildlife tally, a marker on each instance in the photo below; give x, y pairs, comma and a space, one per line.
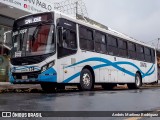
70, 102
16, 98
8, 87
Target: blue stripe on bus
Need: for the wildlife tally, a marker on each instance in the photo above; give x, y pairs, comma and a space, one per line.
71, 78
50, 75
109, 63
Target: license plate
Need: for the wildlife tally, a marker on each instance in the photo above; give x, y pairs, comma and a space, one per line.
24, 77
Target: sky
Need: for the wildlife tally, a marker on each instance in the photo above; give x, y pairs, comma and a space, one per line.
139, 19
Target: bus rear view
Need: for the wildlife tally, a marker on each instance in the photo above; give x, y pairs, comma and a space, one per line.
33, 42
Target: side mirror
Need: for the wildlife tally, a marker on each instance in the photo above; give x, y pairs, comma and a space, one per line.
60, 35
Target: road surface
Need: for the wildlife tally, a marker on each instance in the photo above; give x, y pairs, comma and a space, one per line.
114, 100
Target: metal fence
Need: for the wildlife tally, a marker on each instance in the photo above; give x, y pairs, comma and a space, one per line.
71, 7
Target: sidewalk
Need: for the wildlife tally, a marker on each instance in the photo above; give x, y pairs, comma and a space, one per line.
10, 87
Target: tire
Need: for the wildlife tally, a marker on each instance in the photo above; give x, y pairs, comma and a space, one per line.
108, 86
48, 87
137, 84
86, 80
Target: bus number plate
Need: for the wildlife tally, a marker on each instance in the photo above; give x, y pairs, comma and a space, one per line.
24, 77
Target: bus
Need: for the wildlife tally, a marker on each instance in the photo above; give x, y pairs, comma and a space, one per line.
55, 50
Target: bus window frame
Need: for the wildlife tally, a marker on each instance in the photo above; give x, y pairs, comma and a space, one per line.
60, 46
93, 40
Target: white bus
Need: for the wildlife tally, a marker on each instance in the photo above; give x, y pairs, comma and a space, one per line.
55, 50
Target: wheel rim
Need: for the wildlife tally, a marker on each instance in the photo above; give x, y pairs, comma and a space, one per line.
86, 79
138, 82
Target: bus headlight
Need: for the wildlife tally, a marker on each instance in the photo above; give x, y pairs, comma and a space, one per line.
51, 64
47, 66
44, 68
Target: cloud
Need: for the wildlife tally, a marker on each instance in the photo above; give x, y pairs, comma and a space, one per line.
137, 18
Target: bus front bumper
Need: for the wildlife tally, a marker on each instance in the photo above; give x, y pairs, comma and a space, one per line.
49, 75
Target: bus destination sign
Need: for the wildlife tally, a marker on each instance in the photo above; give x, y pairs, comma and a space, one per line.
33, 20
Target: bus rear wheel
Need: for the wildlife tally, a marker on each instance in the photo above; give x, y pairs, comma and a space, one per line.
137, 84
48, 87
86, 80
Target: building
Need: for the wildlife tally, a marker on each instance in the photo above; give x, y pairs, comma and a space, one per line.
9, 11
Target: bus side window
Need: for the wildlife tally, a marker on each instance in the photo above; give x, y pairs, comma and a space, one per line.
69, 39
86, 38
131, 50
140, 52
59, 36
100, 42
112, 45
65, 43
122, 45
148, 57
153, 55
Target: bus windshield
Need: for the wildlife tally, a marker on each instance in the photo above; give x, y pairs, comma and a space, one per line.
34, 40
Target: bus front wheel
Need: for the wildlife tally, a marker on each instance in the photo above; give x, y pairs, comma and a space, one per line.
48, 87
86, 80
137, 84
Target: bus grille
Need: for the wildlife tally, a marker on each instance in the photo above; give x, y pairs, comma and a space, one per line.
29, 75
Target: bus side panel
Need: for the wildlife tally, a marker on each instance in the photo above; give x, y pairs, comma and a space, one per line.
127, 71
150, 74
117, 70
108, 73
87, 59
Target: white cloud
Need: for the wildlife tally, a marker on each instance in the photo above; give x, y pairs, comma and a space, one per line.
139, 19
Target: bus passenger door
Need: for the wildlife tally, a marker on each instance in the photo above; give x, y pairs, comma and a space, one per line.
67, 47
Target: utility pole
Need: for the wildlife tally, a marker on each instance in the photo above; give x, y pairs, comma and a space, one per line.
76, 8
158, 43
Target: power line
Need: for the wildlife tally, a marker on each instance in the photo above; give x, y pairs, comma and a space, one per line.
158, 43
152, 40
